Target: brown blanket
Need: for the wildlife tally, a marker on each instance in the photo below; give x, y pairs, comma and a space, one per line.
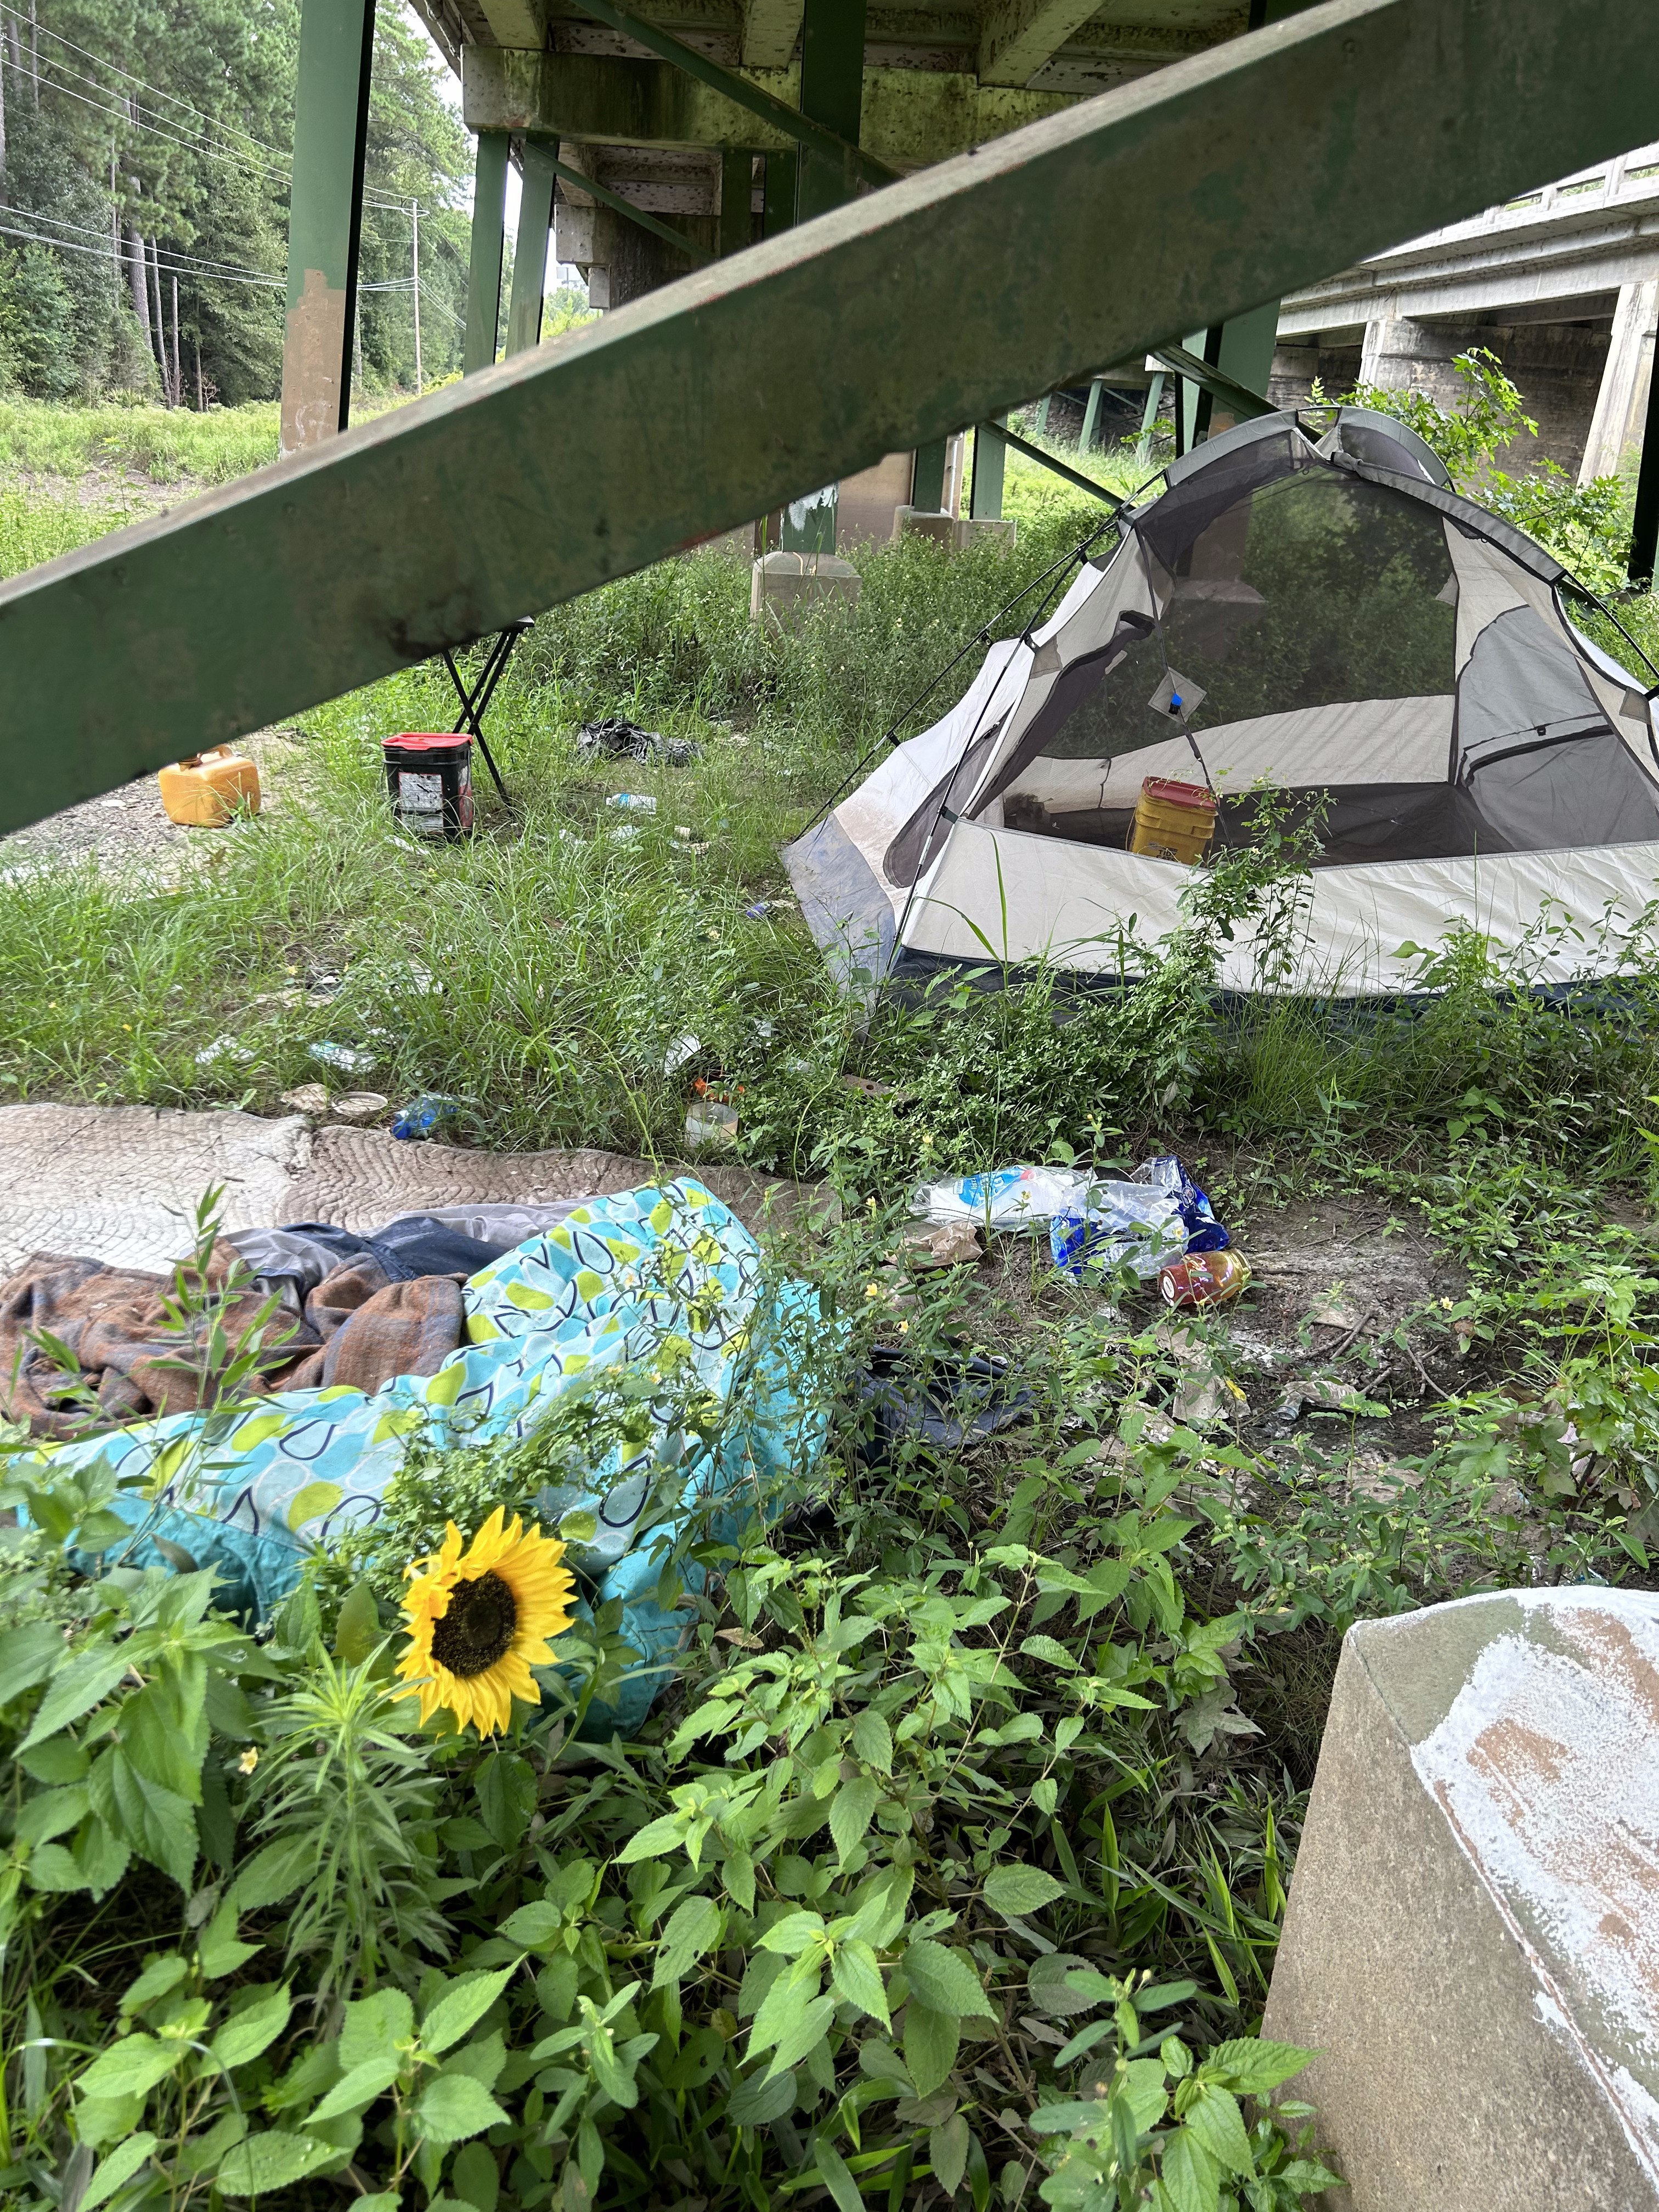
131, 1352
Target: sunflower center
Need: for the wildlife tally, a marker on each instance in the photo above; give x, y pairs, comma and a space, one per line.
477, 1629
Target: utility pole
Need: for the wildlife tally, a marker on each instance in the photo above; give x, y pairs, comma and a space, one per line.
415, 264
35, 56
178, 380
161, 327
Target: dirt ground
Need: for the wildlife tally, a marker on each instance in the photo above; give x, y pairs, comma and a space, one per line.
131, 823
1334, 1332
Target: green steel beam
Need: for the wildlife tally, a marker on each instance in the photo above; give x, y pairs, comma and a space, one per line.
484, 276
912, 119
1084, 483
1016, 37
698, 256
1192, 368
326, 205
833, 150
524, 309
1085, 239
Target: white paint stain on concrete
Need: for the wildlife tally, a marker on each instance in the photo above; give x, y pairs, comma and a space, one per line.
1547, 1767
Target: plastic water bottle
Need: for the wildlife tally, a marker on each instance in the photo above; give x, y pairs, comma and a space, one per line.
640, 801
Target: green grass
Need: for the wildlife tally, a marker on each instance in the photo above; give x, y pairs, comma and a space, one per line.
169, 446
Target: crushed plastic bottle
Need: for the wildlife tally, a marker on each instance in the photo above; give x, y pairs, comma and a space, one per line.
424, 1114
641, 802
1020, 1199
1119, 1225
1166, 1174
350, 1059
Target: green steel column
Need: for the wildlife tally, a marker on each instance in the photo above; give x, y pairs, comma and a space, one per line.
1042, 428
1192, 402
331, 123
1089, 437
1644, 524
779, 215
524, 312
1242, 347
737, 199
1154, 401
831, 93
928, 478
990, 457
484, 282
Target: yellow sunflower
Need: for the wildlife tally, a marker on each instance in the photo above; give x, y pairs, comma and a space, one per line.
478, 1623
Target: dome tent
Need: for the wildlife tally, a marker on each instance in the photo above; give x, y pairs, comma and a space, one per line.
1332, 620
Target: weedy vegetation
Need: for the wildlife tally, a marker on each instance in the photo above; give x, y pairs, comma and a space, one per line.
949, 1864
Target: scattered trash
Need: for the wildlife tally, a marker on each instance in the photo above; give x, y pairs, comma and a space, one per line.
309, 1099
291, 997
361, 1106
1200, 1401
1331, 1310
641, 802
625, 836
708, 1121
1117, 1225
1324, 1394
615, 735
351, 1058
423, 1116
941, 1401
224, 1048
1166, 1174
1022, 1199
942, 1244
682, 829
1203, 1279
1380, 1482
869, 1090
682, 1050
759, 908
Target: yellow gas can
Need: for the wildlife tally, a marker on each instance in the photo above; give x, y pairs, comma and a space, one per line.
205, 790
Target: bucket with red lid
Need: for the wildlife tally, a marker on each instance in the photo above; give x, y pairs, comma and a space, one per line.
430, 779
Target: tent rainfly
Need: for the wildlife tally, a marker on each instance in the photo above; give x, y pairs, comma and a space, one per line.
1330, 619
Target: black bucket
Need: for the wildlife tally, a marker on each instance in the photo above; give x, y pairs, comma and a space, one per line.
430, 782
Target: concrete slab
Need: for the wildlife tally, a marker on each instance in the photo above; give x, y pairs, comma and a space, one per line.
1473, 1936
121, 1183
360, 1177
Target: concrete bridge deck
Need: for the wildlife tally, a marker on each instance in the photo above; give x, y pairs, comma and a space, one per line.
1562, 283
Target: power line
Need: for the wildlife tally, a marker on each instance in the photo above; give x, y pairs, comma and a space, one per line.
179, 254
279, 174
104, 254
86, 54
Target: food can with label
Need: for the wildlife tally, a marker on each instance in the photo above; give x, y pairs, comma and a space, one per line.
1204, 1279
